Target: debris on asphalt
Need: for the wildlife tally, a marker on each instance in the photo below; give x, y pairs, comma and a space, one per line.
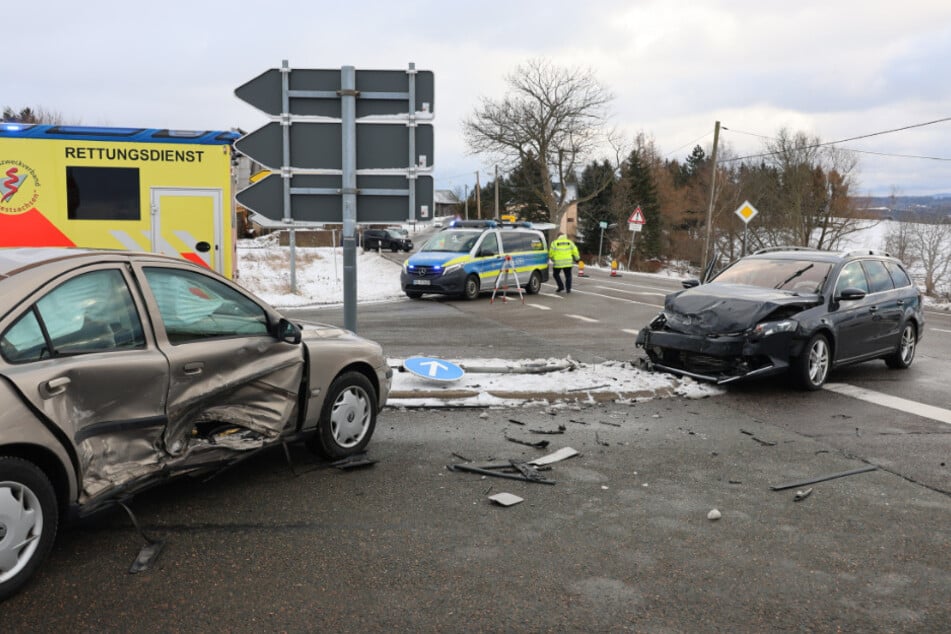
541, 444
562, 454
352, 462
536, 477
505, 499
793, 485
579, 422
767, 443
598, 440
802, 495
461, 457
714, 515
561, 429
517, 422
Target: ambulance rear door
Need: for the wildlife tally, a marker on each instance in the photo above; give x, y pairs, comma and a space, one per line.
186, 222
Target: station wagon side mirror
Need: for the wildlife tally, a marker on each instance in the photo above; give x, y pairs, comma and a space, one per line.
690, 283
850, 294
288, 332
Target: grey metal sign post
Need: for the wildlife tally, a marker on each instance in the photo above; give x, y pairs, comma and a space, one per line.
349, 146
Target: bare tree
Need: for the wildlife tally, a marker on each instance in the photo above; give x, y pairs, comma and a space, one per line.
931, 248
806, 192
552, 117
32, 115
898, 238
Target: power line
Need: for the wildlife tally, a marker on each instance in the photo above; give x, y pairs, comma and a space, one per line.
690, 143
855, 138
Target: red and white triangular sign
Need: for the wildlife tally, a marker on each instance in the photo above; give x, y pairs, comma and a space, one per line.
637, 218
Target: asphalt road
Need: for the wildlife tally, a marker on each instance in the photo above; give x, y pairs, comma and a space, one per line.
620, 543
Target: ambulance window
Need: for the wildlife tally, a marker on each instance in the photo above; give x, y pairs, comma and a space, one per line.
103, 193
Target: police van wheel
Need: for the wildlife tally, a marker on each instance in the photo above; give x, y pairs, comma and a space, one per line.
534, 283
472, 287
414, 294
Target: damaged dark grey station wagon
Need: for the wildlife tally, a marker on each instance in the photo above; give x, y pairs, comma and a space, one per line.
789, 309
121, 370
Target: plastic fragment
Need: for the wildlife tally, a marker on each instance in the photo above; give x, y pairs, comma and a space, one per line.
714, 514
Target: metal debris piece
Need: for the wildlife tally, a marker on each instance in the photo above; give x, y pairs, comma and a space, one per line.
497, 474
541, 444
527, 470
802, 495
505, 499
148, 553
353, 462
580, 422
598, 440
461, 457
767, 443
562, 454
604, 422
793, 485
517, 422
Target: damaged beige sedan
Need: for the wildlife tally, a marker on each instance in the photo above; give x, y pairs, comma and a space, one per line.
121, 370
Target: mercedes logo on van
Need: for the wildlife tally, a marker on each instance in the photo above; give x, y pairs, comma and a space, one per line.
421, 271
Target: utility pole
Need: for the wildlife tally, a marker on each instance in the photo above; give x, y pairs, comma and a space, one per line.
478, 197
467, 200
713, 180
496, 192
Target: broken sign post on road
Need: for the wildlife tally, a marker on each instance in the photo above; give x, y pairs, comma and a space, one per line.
433, 369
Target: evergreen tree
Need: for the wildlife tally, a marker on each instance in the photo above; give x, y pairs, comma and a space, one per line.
639, 190
597, 209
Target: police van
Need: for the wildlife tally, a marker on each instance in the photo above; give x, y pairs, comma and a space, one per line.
467, 257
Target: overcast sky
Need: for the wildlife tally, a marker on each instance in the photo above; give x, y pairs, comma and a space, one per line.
834, 69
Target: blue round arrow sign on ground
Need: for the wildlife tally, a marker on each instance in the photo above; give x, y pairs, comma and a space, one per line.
435, 369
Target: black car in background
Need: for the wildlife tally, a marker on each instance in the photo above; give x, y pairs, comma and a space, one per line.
789, 309
392, 239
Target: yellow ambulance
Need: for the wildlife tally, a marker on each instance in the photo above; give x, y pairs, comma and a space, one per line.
164, 191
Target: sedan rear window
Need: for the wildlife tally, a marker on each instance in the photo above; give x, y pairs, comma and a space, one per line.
802, 276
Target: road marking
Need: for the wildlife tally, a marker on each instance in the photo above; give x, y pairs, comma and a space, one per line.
574, 289
539, 306
583, 318
894, 402
629, 331
621, 290
939, 330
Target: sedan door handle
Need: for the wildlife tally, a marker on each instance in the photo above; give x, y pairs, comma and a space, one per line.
873, 309
54, 386
195, 367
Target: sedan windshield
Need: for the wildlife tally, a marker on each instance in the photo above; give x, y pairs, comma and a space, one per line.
801, 276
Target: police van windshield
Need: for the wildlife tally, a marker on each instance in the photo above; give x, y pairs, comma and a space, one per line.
452, 241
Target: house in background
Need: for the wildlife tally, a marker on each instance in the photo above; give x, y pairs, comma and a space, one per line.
446, 203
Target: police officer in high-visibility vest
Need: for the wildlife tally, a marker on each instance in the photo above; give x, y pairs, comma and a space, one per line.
563, 254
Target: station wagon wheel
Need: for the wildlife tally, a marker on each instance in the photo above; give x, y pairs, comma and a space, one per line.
811, 368
534, 283
348, 417
906, 349
28, 522
471, 290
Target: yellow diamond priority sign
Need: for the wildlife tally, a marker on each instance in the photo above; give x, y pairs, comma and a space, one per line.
746, 211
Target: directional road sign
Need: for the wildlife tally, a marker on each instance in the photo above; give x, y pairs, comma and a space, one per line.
316, 197
317, 145
434, 369
316, 92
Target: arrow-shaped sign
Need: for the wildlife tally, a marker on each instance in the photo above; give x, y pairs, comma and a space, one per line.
435, 369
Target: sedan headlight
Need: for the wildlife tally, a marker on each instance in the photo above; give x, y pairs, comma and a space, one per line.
769, 328
452, 268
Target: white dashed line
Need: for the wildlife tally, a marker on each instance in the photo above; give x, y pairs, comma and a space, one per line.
539, 306
583, 318
894, 402
939, 330
629, 331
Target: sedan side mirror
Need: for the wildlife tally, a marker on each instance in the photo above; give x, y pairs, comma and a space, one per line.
288, 332
851, 294
691, 283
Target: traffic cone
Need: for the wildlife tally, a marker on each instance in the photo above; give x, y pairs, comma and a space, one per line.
614, 272
581, 272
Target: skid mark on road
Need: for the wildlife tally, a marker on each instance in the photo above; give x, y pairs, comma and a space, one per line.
894, 402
